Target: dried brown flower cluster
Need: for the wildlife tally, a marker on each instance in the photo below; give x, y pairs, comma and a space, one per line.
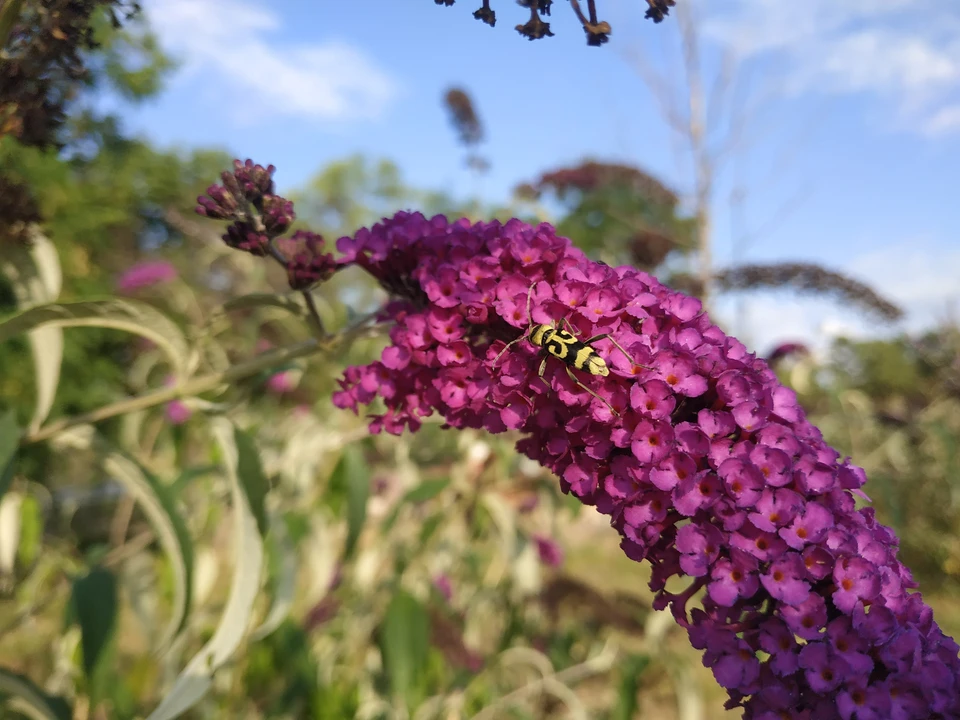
466, 121
591, 175
597, 31
464, 116
42, 64
806, 277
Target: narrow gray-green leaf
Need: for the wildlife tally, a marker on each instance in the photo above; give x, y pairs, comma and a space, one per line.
34, 271
27, 699
404, 641
94, 602
353, 476
160, 509
36, 277
282, 301
10, 520
131, 316
285, 577
426, 490
196, 678
250, 472
9, 444
31, 531
421, 493
46, 345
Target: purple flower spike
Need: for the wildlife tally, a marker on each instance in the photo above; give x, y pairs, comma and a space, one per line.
707, 466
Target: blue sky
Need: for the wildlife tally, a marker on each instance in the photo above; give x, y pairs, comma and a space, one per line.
851, 145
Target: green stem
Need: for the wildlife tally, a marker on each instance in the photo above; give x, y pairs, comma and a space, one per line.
314, 313
9, 12
202, 384
196, 386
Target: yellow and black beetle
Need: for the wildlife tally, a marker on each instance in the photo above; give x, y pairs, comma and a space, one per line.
562, 344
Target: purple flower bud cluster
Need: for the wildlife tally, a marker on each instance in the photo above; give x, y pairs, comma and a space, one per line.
306, 262
247, 199
258, 217
705, 464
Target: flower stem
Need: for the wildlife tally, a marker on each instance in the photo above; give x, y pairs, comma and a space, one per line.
314, 313
202, 384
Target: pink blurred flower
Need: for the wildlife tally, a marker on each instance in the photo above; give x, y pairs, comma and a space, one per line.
281, 382
177, 412
146, 274
442, 583
551, 554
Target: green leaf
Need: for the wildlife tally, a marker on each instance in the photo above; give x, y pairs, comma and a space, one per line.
9, 444
283, 554
10, 521
422, 493
197, 677
430, 526
46, 345
94, 603
36, 277
158, 505
352, 475
27, 699
131, 316
289, 302
31, 531
631, 668
188, 475
404, 642
254, 482
426, 490
572, 503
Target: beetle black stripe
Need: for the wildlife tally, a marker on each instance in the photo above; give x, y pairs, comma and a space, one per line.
565, 346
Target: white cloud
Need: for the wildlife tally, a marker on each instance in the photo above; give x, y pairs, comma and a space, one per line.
905, 51
945, 120
922, 277
229, 41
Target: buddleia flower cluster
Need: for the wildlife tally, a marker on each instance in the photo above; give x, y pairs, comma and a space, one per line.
703, 462
258, 220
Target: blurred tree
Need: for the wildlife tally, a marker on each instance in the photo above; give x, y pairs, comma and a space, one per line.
618, 214
894, 405
357, 191
100, 197
623, 215
46, 48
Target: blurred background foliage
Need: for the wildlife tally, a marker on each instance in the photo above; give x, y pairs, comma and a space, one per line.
435, 575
